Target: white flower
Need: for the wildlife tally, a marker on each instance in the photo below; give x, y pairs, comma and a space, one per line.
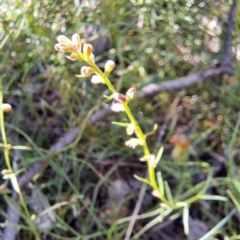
76, 41
6, 107
96, 79
130, 129
150, 158
7, 174
86, 71
117, 107
133, 142
109, 66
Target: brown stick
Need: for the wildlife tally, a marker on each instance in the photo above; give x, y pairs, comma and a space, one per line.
178, 84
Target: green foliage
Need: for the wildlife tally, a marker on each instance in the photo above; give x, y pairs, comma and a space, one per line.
152, 41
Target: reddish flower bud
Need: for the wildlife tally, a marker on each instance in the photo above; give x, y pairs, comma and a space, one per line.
64, 45
119, 97
131, 92
57, 47
86, 71
87, 49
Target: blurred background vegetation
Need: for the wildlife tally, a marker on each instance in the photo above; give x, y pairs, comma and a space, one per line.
150, 41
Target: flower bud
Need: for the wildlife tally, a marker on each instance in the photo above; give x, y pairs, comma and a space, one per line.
64, 40
109, 66
76, 41
6, 107
130, 93
33, 217
73, 56
58, 47
130, 129
181, 148
86, 71
148, 158
96, 79
63, 47
119, 97
6, 172
87, 49
64, 44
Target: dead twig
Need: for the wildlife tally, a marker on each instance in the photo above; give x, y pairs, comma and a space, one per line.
178, 84
136, 211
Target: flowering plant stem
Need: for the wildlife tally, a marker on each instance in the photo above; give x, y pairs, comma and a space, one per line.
13, 177
74, 47
161, 188
138, 131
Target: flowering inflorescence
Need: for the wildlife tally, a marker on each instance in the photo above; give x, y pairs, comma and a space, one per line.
85, 52
120, 101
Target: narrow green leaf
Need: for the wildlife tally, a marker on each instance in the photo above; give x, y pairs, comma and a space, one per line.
120, 124
108, 97
235, 201
168, 193
213, 197
207, 183
159, 155
153, 131
186, 219
52, 208
155, 221
232, 145
219, 226
142, 180
160, 183
80, 76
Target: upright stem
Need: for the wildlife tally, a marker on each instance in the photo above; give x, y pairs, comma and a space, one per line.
138, 131
9, 166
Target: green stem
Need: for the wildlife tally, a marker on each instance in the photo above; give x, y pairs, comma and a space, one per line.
8, 163
98, 71
138, 131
